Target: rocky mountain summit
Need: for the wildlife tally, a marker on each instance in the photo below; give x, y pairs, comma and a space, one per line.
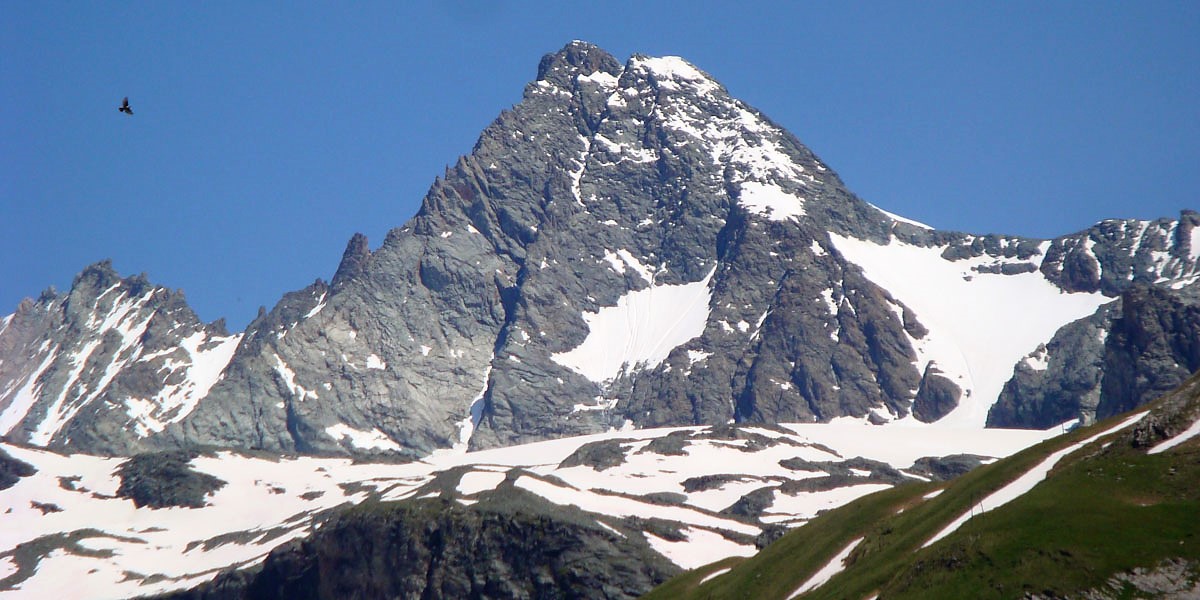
629, 246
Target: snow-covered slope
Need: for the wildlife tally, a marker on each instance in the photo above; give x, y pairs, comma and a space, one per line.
980, 323
63, 532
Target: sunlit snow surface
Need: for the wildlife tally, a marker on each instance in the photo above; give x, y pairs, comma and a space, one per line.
980, 324
833, 567
642, 329
270, 501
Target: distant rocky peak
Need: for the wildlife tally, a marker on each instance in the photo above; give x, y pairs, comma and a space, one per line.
100, 275
576, 59
354, 260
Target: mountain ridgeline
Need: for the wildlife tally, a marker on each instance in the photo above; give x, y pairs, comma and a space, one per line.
627, 246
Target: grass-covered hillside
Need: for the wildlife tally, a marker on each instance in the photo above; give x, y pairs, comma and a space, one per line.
1115, 513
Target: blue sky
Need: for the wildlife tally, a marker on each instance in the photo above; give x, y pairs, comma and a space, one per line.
266, 134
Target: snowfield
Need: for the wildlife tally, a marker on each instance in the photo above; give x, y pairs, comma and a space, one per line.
980, 324
64, 533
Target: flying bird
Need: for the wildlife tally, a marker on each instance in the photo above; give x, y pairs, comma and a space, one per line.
125, 106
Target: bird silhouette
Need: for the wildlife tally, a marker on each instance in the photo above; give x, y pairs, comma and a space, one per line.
125, 106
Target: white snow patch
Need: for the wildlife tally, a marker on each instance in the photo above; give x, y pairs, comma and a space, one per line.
835, 565
638, 267
174, 402
695, 356
641, 330
615, 261
626, 507
289, 379
466, 427
980, 324
806, 505
23, 400
1038, 360
1026, 481
473, 482
316, 309
367, 440
7, 567
121, 318
672, 73
425, 350
770, 201
701, 547
715, 574
601, 404
374, 362
577, 175
827, 295
626, 151
896, 217
602, 78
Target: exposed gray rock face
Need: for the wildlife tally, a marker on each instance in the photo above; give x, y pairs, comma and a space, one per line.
107, 365
1172, 415
1114, 254
1152, 348
1171, 579
627, 245
1058, 381
650, 159
1125, 355
511, 544
936, 396
12, 470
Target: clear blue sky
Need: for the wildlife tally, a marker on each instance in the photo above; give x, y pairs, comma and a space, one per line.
266, 134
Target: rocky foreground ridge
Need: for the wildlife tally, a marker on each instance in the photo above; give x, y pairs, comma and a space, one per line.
629, 246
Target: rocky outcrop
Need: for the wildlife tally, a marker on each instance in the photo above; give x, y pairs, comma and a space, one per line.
1152, 348
936, 396
1114, 254
163, 479
1059, 381
1172, 579
510, 544
1125, 355
12, 470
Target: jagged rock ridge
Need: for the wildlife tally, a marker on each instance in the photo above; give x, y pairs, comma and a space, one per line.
629, 245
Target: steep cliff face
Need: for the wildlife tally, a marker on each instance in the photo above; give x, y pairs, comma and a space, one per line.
1128, 353
627, 246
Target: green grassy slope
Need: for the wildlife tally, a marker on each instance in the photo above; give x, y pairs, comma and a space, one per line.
1105, 509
